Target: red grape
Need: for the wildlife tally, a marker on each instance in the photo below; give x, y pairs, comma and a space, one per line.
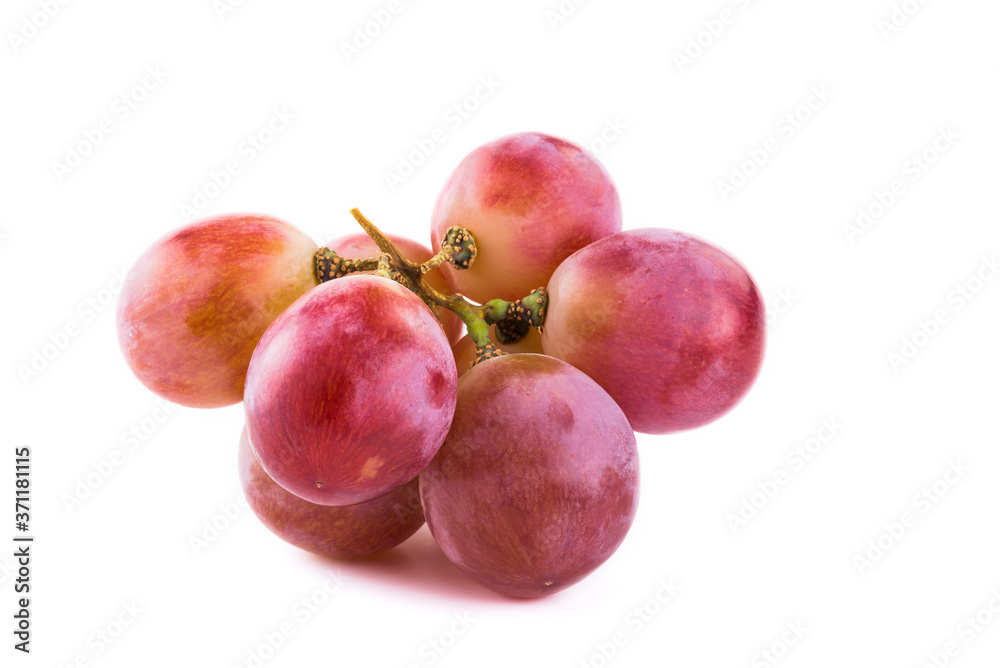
671, 326
350, 391
335, 531
529, 200
538, 480
194, 305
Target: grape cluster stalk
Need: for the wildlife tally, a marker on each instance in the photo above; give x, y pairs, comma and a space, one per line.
458, 248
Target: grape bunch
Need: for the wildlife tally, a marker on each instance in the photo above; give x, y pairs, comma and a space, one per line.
368, 412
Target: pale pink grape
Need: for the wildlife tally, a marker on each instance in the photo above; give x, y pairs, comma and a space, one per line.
194, 305
530, 200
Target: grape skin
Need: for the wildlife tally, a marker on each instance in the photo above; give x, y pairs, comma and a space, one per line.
195, 303
529, 200
671, 326
350, 391
538, 481
334, 531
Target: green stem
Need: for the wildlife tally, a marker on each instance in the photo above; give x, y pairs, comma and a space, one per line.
478, 328
495, 310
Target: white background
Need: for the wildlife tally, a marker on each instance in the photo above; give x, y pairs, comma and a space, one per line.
841, 303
